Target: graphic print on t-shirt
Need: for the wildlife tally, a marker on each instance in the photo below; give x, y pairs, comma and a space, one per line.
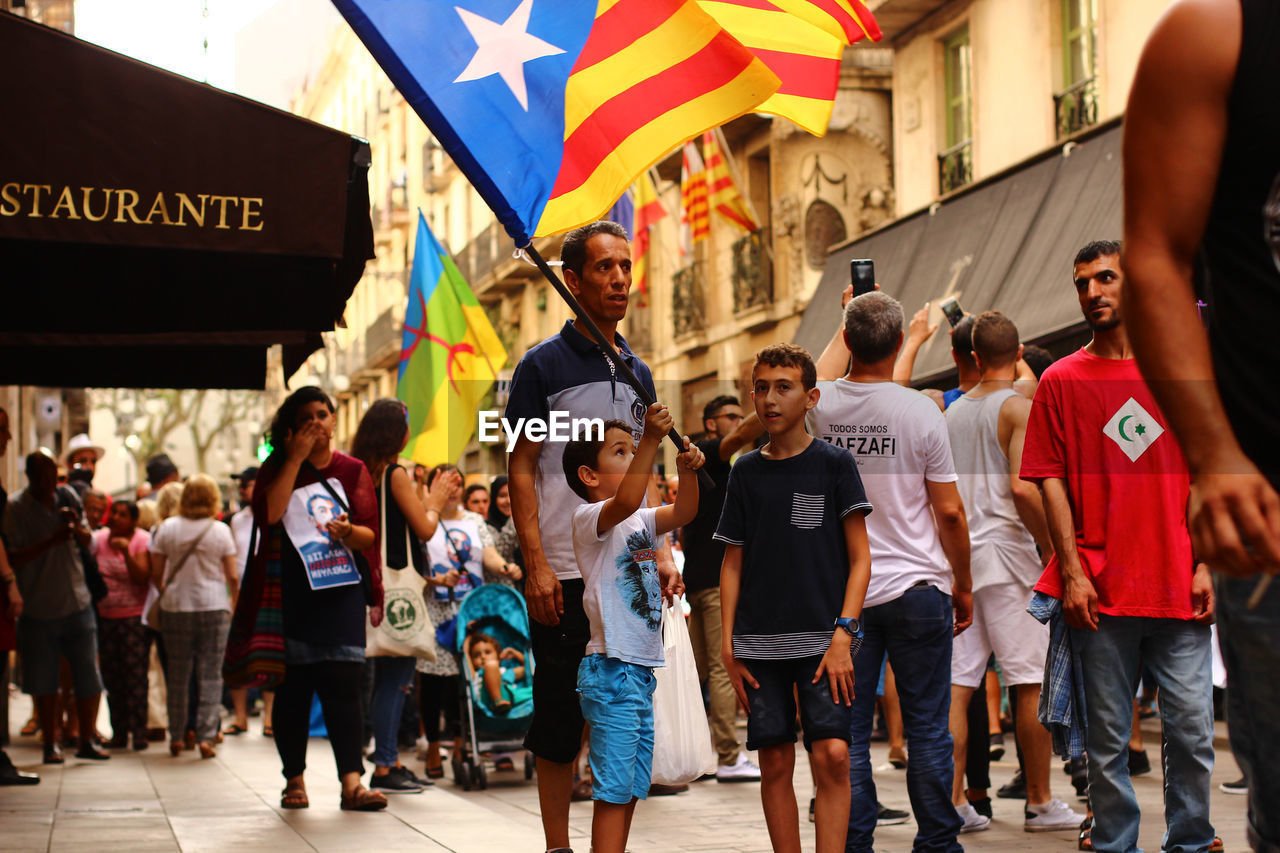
862, 440
638, 579
807, 510
1133, 429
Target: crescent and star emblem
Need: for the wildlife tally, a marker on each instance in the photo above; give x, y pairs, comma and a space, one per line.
1140, 429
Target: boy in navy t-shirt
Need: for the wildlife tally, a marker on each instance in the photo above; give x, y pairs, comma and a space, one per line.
615, 541
796, 567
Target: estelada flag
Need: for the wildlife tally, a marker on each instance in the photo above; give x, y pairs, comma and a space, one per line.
449, 355
551, 108
802, 42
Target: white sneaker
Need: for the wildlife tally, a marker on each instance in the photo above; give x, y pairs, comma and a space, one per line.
1052, 815
973, 822
742, 770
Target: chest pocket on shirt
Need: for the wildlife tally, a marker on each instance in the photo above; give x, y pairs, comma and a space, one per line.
807, 510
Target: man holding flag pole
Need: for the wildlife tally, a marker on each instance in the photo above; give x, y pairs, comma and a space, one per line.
567, 372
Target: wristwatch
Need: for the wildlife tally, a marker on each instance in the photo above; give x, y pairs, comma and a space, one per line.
853, 626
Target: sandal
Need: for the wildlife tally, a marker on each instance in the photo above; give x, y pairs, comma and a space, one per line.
30, 727
175, 748
1085, 841
207, 749
363, 800
294, 798
268, 732
436, 772
235, 729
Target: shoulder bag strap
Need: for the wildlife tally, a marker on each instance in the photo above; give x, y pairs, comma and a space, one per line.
315, 472
182, 561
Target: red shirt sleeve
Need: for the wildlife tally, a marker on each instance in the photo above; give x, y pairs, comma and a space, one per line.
1043, 454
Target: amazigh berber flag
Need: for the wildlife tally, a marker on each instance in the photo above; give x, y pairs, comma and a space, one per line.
551, 108
449, 355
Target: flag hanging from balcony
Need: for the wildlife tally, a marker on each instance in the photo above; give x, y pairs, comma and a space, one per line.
801, 41
722, 192
449, 355
649, 211
551, 108
695, 215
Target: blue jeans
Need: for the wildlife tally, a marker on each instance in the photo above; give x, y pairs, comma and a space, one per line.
390, 677
1178, 653
915, 631
1251, 649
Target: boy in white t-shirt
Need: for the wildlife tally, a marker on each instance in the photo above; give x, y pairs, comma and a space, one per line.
614, 539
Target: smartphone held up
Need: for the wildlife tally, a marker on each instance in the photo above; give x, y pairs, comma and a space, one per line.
862, 272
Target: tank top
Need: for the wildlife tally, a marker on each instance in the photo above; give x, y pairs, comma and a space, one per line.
1239, 274
394, 534
1001, 549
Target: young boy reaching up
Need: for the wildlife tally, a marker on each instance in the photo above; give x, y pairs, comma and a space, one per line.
614, 539
795, 572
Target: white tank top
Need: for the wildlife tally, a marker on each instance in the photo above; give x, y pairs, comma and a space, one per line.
1002, 550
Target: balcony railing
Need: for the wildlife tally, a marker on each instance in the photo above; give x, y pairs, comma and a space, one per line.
955, 167
688, 305
1076, 107
752, 272
382, 333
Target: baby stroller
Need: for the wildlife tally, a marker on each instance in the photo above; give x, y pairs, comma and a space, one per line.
500, 612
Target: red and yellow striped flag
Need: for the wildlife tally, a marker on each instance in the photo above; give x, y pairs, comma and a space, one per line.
801, 41
649, 210
650, 72
722, 193
693, 195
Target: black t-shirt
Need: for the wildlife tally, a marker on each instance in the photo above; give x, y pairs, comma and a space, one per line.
1240, 275
787, 514
702, 553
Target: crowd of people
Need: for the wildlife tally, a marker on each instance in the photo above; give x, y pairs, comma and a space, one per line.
1057, 524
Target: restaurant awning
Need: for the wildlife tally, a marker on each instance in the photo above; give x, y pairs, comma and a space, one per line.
158, 232
1004, 244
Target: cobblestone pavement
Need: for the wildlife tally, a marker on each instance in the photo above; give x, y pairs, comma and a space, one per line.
149, 801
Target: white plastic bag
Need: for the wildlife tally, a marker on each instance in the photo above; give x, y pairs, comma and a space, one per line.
682, 748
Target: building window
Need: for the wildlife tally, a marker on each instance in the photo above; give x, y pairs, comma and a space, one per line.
955, 163
1076, 106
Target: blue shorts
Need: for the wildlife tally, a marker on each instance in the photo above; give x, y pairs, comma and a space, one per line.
772, 720
617, 702
41, 642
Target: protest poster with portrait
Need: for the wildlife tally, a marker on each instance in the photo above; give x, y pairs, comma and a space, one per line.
328, 562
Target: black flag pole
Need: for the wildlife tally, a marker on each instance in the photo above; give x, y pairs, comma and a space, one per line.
624, 370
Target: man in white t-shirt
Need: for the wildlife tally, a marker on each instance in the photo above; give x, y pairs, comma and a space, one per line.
988, 426
919, 561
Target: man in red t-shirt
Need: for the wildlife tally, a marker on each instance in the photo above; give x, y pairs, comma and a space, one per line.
1115, 491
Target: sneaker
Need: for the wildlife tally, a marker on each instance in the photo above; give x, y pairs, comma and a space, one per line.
394, 782
414, 777
1052, 815
889, 817
995, 746
982, 806
1240, 786
1138, 762
1015, 788
973, 822
742, 770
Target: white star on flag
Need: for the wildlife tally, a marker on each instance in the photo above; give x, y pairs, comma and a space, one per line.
504, 48
1133, 429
